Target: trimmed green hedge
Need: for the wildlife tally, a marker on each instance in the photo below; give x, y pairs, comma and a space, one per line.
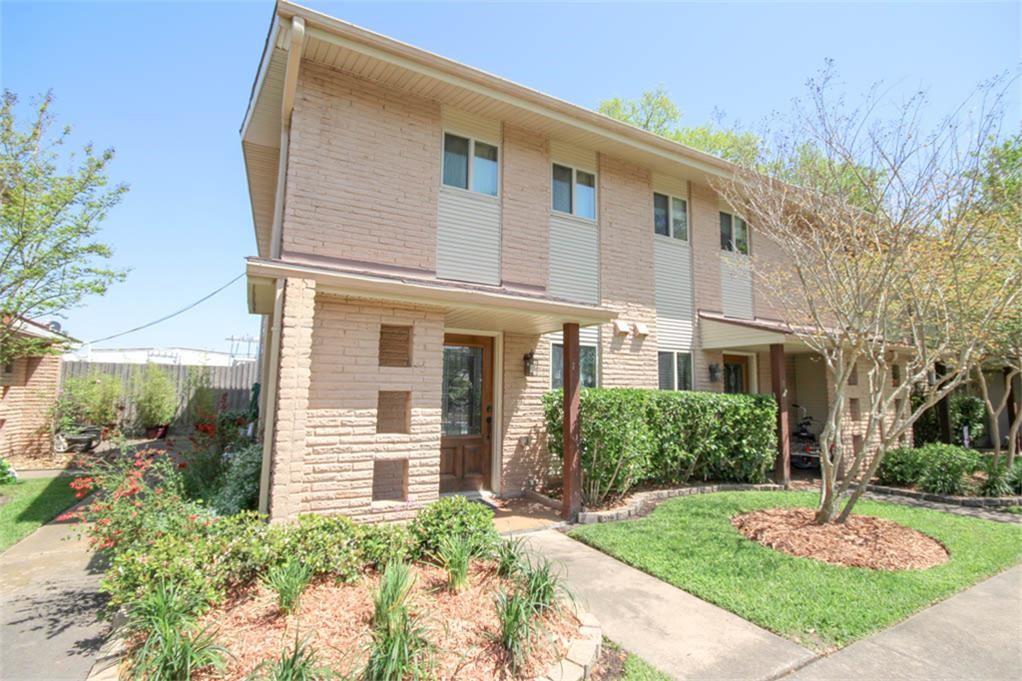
935, 468
632, 436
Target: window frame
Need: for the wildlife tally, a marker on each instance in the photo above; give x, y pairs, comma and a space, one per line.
596, 349
470, 174
674, 368
671, 198
575, 170
732, 242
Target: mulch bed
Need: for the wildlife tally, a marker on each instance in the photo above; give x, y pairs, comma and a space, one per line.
861, 541
336, 618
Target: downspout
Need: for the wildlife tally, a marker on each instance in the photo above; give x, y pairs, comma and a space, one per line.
296, 41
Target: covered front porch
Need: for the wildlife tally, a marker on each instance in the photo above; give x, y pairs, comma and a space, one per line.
766, 356
381, 393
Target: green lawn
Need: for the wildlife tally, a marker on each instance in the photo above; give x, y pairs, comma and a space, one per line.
30, 504
690, 543
634, 668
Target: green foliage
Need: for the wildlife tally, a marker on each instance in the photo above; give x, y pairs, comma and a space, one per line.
540, 584
49, 219
230, 427
31, 503
689, 542
654, 111
964, 410
901, 467
202, 397
239, 484
515, 616
630, 436
510, 556
203, 470
7, 473
155, 397
946, 469
996, 482
383, 543
454, 554
296, 663
1014, 477
288, 581
453, 516
91, 400
328, 545
399, 647
167, 602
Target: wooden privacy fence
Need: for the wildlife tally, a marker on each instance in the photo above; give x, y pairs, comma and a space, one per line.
234, 381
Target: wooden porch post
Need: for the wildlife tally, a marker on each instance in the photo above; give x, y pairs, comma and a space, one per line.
1012, 400
782, 469
571, 502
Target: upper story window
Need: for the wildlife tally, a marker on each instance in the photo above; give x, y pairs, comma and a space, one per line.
470, 164
586, 365
670, 216
675, 370
734, 234
574, 192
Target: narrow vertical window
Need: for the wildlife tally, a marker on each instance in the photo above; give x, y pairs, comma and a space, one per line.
684, 371
726, 239
484, 169
741, 236
661, 217
456, 161
679, 218
585, 195
665, 370
586, 361
562, 189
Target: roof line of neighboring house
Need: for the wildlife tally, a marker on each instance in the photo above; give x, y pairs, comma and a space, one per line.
547, 105
30, 327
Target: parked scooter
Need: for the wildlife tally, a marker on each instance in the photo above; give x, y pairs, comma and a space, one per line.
805, 448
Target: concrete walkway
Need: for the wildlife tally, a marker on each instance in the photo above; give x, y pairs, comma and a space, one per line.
49, 598
974, 635
674, 631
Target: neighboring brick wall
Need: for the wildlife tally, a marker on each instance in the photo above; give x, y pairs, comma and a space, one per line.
363, 172
626, 273
343, 442
526, 460
525, 209
287, 467
25, 408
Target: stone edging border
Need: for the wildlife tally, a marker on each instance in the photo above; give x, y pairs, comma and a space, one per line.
583, 653
107, 666
643, 503
975, 502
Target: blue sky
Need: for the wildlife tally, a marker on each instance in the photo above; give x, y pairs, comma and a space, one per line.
166, 84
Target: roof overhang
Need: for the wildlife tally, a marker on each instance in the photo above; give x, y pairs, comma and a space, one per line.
718, 332
368, 55
32, 329
464, 308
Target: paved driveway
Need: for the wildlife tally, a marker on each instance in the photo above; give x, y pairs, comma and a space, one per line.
49, 598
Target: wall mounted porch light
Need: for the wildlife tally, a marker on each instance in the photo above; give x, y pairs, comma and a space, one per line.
529, 363
714, 372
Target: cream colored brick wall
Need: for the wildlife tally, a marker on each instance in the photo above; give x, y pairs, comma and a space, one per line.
25, 408
626, 273
363, 172
525, 207
343, 441
526, 459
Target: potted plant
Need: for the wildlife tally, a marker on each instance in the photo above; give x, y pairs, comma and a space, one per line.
155, 401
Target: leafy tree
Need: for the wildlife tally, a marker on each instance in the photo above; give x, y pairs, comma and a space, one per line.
653, 111
50, 259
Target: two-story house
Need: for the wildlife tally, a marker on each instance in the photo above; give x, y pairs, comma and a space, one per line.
432, 239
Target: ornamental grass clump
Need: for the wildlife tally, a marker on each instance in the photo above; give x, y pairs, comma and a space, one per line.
399, 649
541, 585
515, 615
510, 556
295, 663
455, 555
288, 581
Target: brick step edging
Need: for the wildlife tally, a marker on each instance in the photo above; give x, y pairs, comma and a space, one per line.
977, 502
643, 503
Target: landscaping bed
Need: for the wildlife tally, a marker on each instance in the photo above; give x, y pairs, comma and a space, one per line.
690, 542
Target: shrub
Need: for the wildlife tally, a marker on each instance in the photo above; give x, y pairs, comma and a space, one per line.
328, 545
453, 516
230, 424
155, 396
630, 436
946, 468
1015, 477
399, 648
964, 410
902, 467
997, 481
7, 473
239, 487
514, 618
91, 400
383, 543
202, 470
288, 581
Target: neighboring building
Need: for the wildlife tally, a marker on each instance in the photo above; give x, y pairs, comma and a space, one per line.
425, 233
28, 391
173, 356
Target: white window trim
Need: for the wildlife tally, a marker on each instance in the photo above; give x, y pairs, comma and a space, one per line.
471, 163
674, 366
670, 217
581, 345
748, 228
574, 194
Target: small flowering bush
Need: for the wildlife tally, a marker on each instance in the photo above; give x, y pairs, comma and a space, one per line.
7, 473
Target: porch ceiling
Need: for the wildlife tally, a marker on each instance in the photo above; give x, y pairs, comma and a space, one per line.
465, 307
718, 332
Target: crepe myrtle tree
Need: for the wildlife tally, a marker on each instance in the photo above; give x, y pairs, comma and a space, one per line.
51, 208
878, 240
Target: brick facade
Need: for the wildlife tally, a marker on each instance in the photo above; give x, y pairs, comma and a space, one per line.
525, 456
25, 408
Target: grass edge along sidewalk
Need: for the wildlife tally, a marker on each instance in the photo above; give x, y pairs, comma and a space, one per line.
31, 503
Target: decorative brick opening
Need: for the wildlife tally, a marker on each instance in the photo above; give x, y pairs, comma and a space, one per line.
395, 346
855, 407
390, 480
394, 411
